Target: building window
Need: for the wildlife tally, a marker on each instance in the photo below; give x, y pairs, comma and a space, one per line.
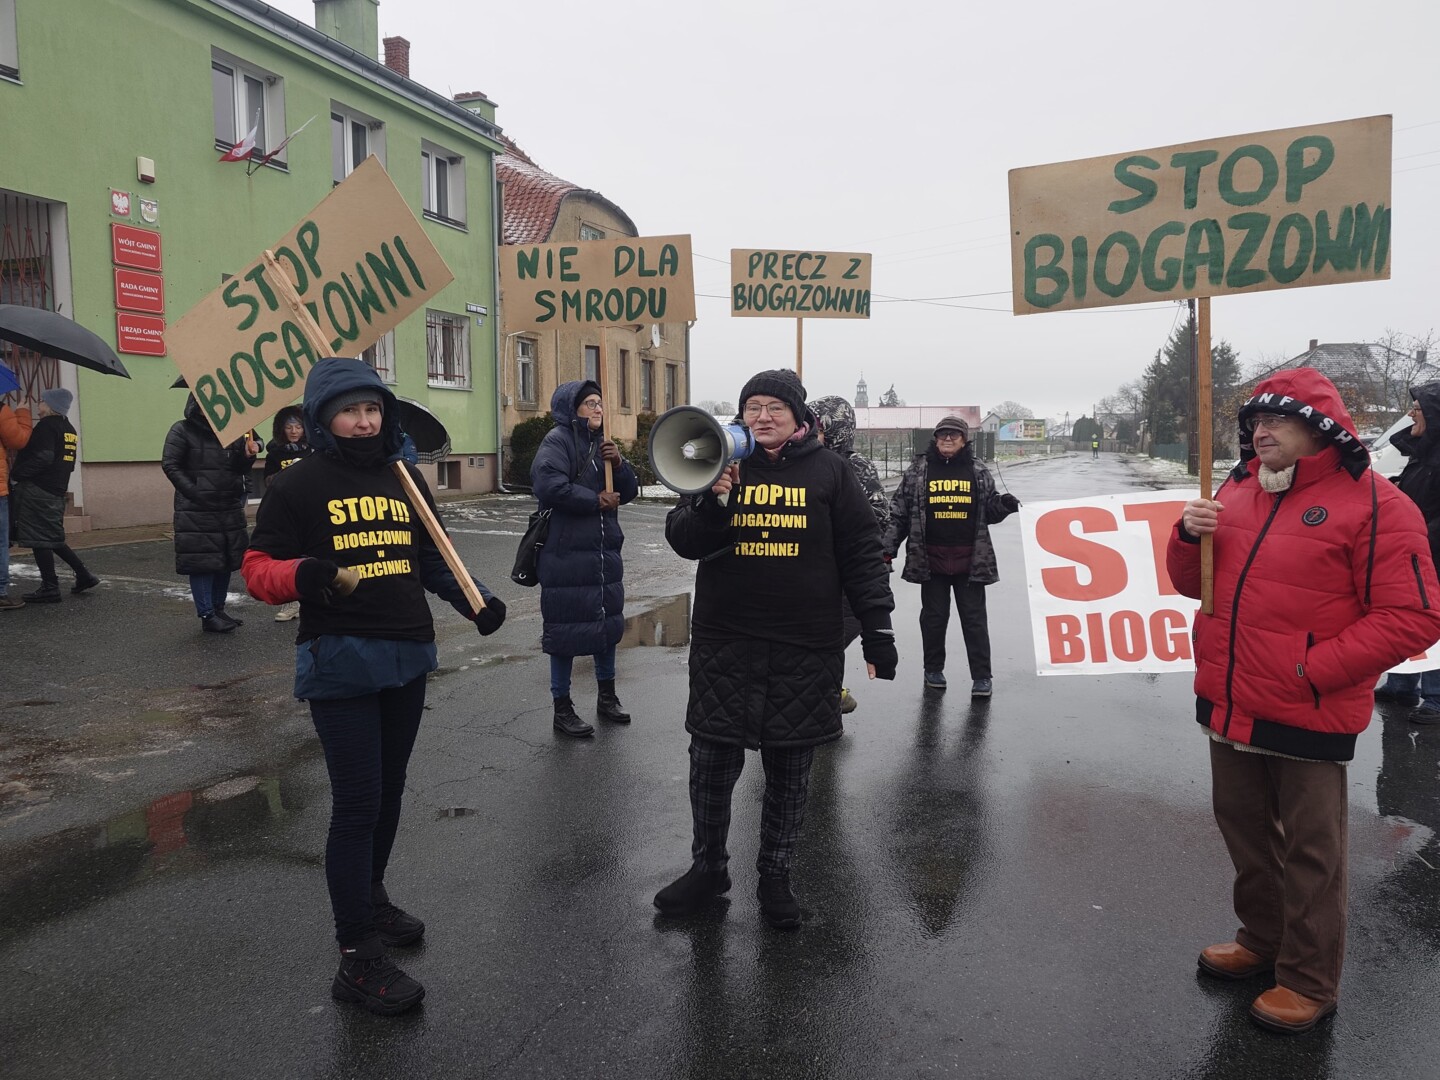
245, 96
442, 175
9, 41
381, 356
590, 232
353, 137
525, 370
447, 348
669, 386
592, 363
647, 385
625, 378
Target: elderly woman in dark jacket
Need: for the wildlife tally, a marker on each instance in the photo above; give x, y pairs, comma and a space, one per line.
1420, 481
210, 527
582, 592
780, 538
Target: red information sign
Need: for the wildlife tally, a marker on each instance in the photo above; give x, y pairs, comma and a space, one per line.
131, 245
139, 335
137, 290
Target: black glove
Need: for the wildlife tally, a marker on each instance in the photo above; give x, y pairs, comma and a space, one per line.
491, 617
313, 578
1010, 502
878, 648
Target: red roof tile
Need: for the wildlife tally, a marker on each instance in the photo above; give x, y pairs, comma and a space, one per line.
533, 197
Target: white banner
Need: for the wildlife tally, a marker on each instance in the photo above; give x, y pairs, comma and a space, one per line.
1101, 601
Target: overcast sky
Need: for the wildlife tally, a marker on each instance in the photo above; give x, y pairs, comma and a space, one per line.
853, 125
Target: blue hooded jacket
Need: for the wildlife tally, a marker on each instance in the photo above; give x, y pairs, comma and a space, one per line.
582, 593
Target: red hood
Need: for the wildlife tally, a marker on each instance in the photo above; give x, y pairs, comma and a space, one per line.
1305, 393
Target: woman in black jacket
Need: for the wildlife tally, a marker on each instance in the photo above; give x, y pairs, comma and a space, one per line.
780, 538
38, 483
210, 494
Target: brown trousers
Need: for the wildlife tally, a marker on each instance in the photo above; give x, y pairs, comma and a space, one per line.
1284, 823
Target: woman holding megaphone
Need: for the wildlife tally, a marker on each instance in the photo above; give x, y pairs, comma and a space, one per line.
337, 531
780, 537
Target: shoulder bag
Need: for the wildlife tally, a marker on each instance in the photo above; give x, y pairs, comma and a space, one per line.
526, 570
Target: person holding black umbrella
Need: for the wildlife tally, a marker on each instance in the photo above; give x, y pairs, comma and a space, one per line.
41, 477
210, 526
15, 428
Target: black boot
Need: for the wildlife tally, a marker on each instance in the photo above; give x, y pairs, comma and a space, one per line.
84, 579
395, 927
48, 593
607, 705
214, 624
692, 890
778, 903
367, 977
567, 722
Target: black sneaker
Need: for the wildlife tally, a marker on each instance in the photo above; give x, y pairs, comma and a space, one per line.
368, 978
395, 927
778, 903
215, 624
692, 891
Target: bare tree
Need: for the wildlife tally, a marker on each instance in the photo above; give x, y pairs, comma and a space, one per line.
1012, 410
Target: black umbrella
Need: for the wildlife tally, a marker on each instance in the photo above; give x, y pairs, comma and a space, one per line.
432, 441
54, 335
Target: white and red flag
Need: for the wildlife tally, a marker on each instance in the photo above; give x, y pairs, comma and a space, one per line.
286, 141
241, 150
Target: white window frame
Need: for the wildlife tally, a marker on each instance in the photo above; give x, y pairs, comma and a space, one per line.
647, 385
526, 355
350, 119
442, 185
272, 125
447, 349
381, 357
591, 232
624, 371
590, 358
672, 385
9, 41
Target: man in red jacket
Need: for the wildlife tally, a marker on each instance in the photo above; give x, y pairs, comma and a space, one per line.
1323, 580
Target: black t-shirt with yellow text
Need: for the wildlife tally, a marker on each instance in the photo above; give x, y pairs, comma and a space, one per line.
323, 508
950, 506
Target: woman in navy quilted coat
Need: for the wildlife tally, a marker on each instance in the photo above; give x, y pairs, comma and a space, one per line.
793, 533
582, 590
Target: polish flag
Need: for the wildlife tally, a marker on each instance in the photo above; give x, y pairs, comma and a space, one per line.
285, 142
241, 150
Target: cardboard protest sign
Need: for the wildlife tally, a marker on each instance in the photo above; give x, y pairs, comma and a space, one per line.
800, 284
1273, 210
633, 279
1101, 600
360, 262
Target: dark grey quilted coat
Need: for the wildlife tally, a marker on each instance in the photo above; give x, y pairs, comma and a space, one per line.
210, 494
766, 651
907, 523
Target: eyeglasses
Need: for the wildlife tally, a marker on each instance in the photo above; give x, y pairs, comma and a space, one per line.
593, 404
1269, 420
774, 408
948, 436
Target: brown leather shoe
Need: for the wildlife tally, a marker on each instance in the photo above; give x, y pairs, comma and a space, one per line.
1233, 961
1282, 1009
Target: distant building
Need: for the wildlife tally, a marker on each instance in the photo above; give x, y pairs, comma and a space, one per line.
862, 394
1374, 380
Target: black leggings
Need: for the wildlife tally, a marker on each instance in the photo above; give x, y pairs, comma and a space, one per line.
45, 563
367, 743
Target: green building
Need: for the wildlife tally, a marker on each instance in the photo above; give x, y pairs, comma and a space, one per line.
114, 115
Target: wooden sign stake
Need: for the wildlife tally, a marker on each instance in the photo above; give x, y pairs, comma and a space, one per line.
605, 397
1207, 448
800, 349
286, 288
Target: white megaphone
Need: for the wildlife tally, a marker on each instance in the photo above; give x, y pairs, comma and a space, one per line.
690, 449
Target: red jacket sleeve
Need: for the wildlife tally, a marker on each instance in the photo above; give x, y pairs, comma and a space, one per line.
268, 579
1182, 560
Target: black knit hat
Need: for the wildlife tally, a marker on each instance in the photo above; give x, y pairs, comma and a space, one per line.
779, 383
327, 411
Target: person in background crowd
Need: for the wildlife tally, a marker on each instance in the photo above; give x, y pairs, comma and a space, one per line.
582, 588
365, 646
15, 426
210, 495
836, 431
766, 641
1421, 482
942, 512
1095, 449
39, 481
1323, 580
287, 445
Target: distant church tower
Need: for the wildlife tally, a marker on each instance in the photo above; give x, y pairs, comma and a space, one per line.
862, 394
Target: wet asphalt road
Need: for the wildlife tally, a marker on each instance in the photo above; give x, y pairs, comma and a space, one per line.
1009, 889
